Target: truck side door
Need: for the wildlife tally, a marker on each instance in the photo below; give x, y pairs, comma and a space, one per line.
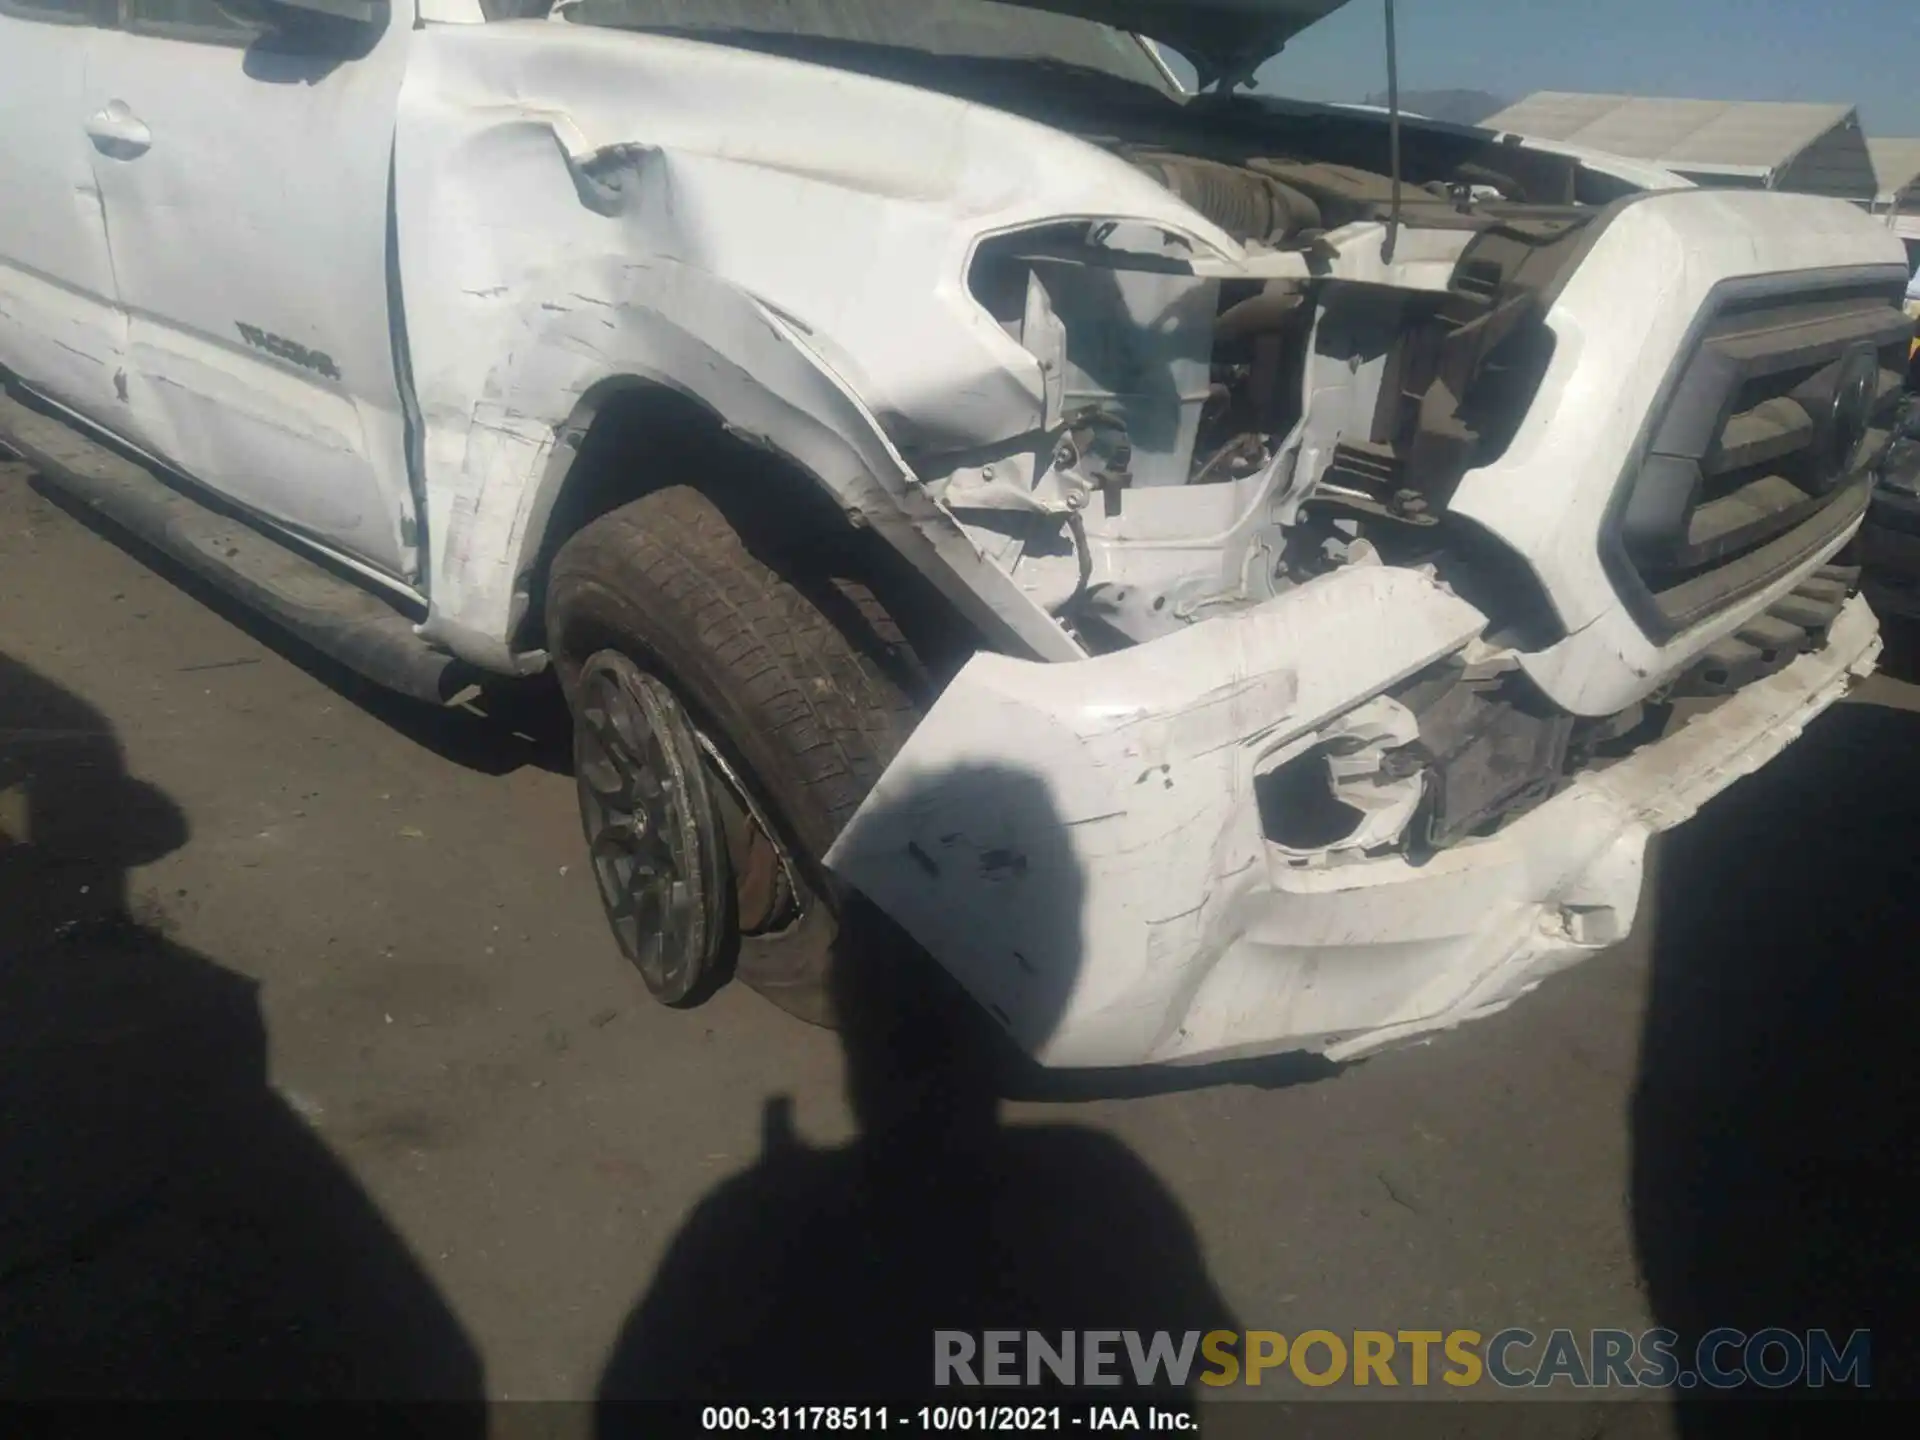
60, 328
244, 169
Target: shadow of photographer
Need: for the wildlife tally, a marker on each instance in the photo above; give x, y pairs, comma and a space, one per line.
823, 1274
170, 1228
1775, 1161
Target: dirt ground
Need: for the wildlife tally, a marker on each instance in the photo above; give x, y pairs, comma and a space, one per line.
355, 1095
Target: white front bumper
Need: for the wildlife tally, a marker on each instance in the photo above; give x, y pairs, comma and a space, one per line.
1080, 844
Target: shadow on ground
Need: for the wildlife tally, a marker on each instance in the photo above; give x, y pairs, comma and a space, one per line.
824, 1273
169, 1228
1774, 1125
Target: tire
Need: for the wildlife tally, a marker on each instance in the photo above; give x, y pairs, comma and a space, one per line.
798, 682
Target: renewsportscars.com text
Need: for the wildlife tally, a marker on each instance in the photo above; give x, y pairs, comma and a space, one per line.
1724, 1359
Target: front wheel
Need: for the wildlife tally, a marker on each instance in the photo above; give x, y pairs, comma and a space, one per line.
729, 718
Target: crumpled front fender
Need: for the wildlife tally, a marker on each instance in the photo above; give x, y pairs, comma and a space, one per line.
1075, 841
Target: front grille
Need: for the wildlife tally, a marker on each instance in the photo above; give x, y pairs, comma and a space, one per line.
1756, 456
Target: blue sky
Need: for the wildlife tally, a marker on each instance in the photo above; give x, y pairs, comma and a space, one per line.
1862, 52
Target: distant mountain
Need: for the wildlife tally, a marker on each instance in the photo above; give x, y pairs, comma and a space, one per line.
1462, 107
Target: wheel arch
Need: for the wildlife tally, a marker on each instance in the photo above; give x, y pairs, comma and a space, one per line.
533, 457
634, 435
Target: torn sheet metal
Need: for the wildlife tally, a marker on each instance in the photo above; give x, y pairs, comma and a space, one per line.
579, 205
1080, 844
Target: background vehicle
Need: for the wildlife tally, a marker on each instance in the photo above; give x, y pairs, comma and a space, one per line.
1218, 577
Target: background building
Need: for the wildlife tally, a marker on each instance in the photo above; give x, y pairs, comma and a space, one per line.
1896, 166
1769, 145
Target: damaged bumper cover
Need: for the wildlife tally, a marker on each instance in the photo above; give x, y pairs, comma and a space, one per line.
1083, 845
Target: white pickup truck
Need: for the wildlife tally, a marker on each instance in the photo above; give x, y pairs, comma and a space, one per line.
1221, 574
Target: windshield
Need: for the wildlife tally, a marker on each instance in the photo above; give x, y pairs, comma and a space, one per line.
831, 31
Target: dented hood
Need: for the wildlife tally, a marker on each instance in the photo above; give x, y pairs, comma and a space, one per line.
1221, 37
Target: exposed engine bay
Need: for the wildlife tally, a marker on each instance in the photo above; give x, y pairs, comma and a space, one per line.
1296, 418
1211, 443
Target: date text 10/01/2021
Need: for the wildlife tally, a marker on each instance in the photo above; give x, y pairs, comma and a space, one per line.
943, 1419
